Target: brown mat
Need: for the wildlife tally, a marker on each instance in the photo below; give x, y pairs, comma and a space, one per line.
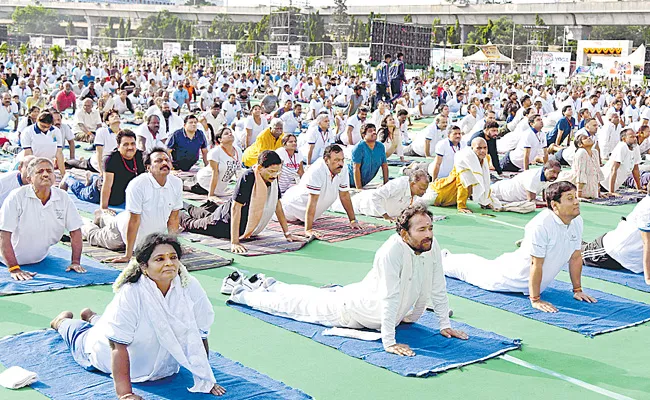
332, 228
268, 242
193, 259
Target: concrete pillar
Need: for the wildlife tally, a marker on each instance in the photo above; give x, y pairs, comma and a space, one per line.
90, 28
580, 32
464, 31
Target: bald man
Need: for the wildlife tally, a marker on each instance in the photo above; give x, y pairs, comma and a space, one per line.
470, 177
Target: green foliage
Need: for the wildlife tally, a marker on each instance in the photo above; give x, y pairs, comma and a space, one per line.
309, 62
4, 49
23, 49
175, 61
164, 26
36, 19
340, 19
189, 59
314, 28
56, 51
139, 52
88, 53
408, 19
637, 34
69, 29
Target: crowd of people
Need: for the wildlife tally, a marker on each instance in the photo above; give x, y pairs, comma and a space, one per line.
264, 145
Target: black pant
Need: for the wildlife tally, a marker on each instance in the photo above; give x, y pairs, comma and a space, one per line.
80, 164
507, 165
200, 220
396, 89
594, 255
198, 189
382, 93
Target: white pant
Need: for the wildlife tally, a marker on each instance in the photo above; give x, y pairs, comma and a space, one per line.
478, 271
301, 303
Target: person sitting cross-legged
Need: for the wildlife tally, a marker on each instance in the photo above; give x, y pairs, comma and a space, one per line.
368, 156
157, 322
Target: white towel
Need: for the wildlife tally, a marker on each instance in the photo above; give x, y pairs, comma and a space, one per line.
352, 333
16, 377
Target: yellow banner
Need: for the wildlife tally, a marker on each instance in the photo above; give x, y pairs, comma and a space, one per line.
490, 51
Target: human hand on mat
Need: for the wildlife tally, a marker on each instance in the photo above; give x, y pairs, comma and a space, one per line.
20, 275
312, 234
119, 259
218, 390
450, 333
401, 350
544, 306
291, 238
355, 225
582, 296
464, 211
76, 268
237, 248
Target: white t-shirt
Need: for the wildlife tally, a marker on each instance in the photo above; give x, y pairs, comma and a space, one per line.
228, 168
319, 139
150, 142
126, 320
231, 110
355, 123
154, 203
317, 180
291, 123
535, 141
628, 159
43, 144
108, 140
517, 188
290, 166
624, 244
36, 227
431, 134
250, 124
448, 152
8, 182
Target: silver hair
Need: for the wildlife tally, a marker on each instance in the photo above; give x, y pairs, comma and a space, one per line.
276, 121
418, 175
321, 118
31, 167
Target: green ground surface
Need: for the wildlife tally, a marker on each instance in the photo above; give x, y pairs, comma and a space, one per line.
615, 361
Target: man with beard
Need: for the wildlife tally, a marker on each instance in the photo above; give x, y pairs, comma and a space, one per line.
255, 199
552, 241
406, 275
318, 189
489, 133
153, 200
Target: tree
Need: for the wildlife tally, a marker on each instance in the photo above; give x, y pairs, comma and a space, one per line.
314, 28
408, 19
56, 51
437, 33
164, 25
36, 19
4, 49
69, 30
340, 18
120, 30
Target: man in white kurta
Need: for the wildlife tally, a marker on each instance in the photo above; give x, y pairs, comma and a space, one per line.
406, 274
623, 161
552, 240
389, 200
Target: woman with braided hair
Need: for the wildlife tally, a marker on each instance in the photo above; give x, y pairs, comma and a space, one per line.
158, 321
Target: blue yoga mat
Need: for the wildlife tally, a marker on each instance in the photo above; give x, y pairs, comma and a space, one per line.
90, 207
611, 313
621, 276
51, 274
434, 353
60, 377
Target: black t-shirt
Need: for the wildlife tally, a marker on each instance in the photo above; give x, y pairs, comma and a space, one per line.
123, 171
128, 86
242, 195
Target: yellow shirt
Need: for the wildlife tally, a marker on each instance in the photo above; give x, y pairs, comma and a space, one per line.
40, 103
450, 191
264, 141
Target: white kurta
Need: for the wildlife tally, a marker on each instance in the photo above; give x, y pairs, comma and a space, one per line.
396, 289
624, 244
391, 198
546, 236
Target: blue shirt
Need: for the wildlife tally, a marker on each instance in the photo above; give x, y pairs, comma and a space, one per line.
185, 151
564, 125
87, 79
370, 160
180, 96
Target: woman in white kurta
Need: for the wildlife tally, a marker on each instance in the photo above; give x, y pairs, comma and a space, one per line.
225, 163
158, 321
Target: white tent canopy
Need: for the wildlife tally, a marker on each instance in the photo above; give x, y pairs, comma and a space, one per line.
488, 54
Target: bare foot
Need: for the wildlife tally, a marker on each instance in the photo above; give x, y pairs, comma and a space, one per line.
64, 185
56, 322
89, 176
87, 314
